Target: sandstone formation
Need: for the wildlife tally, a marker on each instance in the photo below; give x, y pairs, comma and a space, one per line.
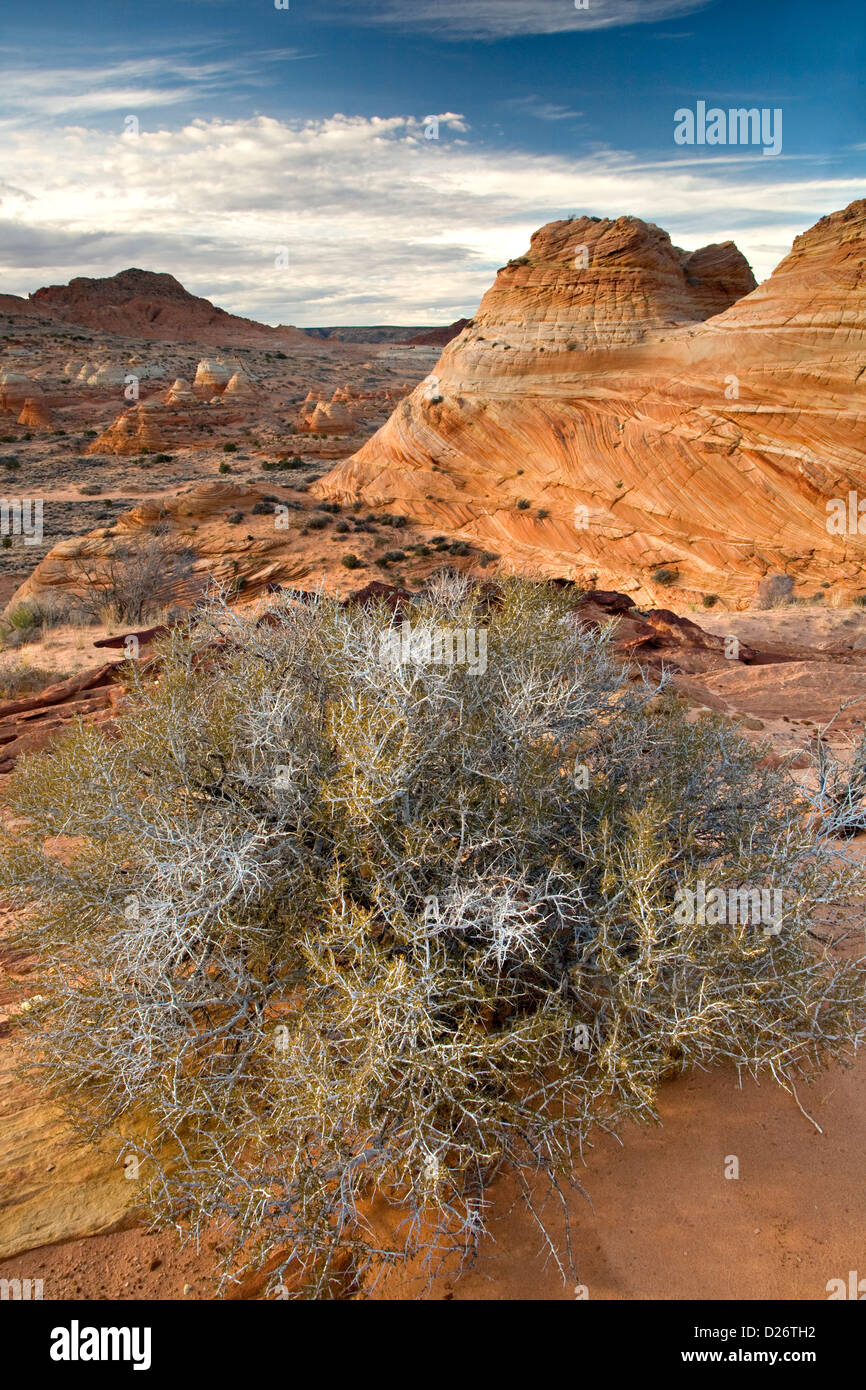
35, 415
15, 389
240, 386
326, 417
28, 724
181, 393
211, 378
624, 410
108, 375
155, 426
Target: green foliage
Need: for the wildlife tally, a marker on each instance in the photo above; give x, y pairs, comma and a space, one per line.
665, 576
345, 935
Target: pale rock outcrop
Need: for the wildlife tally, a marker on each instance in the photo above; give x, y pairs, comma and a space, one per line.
181, 393
331, 417
109, 375
240, 386
211, 377
15, 389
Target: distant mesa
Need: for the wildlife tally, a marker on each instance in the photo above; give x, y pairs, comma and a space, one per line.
624, 412
438, 337
146, 304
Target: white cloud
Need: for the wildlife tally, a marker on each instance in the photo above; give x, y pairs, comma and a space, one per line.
378, 220
541, 110
495, 19
133, 85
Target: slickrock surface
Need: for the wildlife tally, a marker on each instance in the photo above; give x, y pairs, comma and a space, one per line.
592, 420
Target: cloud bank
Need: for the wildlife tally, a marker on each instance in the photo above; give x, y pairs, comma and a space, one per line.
381, 224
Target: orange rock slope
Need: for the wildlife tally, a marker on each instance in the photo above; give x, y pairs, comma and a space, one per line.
619, 407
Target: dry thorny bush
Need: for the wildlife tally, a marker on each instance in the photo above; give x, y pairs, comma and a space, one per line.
342, 929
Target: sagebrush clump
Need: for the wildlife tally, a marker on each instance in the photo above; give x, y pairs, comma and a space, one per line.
352, 935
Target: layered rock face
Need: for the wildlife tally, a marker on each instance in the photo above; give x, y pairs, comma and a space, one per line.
622, 409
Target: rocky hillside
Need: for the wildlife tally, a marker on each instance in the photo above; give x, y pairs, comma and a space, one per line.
144, 304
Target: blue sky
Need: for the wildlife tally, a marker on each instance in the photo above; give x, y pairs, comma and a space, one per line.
220, 139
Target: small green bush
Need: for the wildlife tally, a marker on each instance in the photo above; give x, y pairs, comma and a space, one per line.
664, 576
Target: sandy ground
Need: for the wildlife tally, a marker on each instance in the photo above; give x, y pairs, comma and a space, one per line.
665, 1222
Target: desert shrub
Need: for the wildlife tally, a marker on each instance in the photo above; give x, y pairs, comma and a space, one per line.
134, 579
342, 528
841, 775
27, 621
709, 600
351, 562
230, 448
774, 591
22, 679
10, 462
859, 601
318, 523
339, 928
523, 504
664, 576
225, 468
264, 507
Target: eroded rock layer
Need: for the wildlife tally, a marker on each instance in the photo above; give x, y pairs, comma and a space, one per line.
622, 409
